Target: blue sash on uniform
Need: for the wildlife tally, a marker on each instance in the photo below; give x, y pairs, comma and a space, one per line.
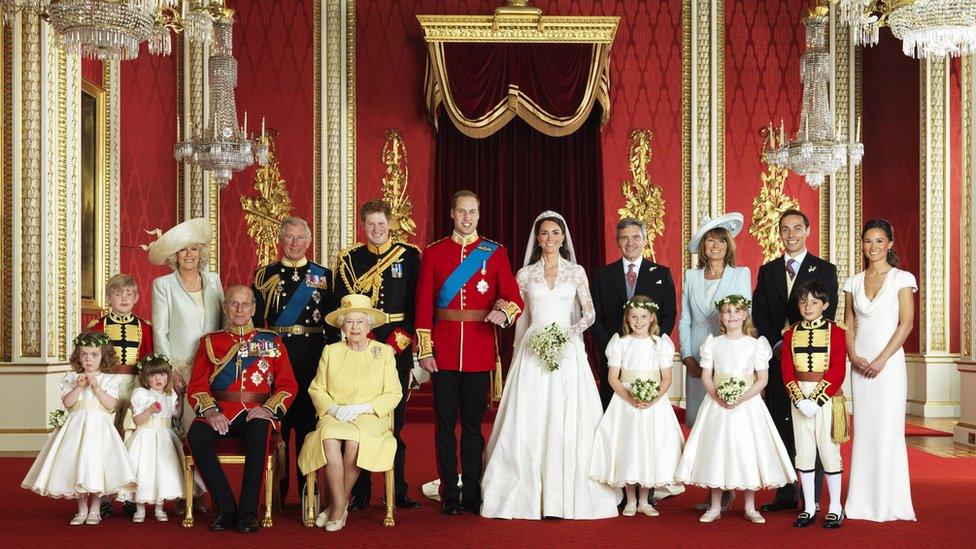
463, 273
293, 309
229, 372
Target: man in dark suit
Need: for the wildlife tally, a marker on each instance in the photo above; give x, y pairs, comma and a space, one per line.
621, 280
774, 308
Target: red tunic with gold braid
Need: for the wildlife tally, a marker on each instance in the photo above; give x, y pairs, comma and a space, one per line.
814, 351
235, 371
130, 335
457, 334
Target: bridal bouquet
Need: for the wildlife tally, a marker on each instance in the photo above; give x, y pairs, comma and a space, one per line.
731, 389
547, 344
644, 390
56, 418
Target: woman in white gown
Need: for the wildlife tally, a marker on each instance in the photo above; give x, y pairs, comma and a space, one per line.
880, 299
538, 455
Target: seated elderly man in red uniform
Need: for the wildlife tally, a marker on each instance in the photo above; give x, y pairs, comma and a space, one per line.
241, 386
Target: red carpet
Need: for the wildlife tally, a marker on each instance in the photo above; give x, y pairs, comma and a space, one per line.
944, 491
912, 430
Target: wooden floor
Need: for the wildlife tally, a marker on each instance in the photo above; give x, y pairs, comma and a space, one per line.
939, 446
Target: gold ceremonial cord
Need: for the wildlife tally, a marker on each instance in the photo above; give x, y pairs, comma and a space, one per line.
371, 282
267, 287
223, 360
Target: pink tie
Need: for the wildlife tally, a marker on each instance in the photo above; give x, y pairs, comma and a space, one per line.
631, 280
791, 268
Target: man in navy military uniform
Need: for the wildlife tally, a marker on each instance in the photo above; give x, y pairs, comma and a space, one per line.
292, 298
387, 272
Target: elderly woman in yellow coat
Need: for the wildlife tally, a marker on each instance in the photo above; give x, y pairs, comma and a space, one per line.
354, 392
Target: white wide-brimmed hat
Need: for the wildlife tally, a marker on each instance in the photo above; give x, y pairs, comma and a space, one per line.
356, 303
188, 233
731, 222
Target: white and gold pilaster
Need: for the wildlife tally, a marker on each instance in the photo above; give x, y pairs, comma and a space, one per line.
965, 429
703, 114
334, 156
933, 382
111, 82
41, 226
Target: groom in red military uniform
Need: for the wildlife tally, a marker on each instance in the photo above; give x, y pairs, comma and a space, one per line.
241, 386
466, 290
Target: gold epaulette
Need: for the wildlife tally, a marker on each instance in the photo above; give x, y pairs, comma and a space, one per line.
492, 241
408, 245
348, 249
438, 241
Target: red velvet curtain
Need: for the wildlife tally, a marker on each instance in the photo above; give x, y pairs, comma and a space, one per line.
553, 76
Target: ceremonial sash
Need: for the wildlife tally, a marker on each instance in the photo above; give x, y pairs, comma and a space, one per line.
290, 312
223, 378
463, 273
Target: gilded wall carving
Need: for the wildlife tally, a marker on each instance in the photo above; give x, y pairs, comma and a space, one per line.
643, 200
770, 204
265, 212
394, 186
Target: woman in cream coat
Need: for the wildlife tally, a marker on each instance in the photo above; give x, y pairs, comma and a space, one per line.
716, 277
185, 303
354, 392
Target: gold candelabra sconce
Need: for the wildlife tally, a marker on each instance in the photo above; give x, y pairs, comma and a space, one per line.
771, 202
644, 201
265, 212
394, 186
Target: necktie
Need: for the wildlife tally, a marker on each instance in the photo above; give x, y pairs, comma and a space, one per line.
631, 281
791, 268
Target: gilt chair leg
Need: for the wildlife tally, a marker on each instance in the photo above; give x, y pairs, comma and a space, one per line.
188, 491
390, 500
269, 480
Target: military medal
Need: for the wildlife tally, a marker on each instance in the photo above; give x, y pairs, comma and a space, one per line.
294, 275
484, 270
396, 270
257, 378
316, 296
263, 365
482, 286
316, 316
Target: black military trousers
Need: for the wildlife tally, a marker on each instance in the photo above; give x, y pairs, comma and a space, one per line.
301, 418
460, 394
257, 433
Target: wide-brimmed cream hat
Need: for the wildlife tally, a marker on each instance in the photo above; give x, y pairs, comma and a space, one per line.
731, 221
188, 233
356, 303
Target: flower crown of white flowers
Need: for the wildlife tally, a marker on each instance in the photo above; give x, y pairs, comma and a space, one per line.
150, 358
740, 302
646, 305
91, 339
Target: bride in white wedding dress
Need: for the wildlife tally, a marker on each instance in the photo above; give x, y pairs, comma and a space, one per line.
539, 451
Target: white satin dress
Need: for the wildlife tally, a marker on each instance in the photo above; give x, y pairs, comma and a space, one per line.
155, 451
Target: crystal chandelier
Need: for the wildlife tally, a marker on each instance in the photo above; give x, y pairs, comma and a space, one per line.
222, 148
927, 28
815, 152
113, 29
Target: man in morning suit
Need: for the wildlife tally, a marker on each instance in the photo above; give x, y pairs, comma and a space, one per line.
292, 298
241, 386
775, 308
466, 290
387, 272
617, 282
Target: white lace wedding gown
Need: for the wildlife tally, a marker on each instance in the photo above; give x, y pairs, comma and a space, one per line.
538, 455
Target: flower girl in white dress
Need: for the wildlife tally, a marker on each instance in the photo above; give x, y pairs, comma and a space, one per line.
154, 449
638, 441
734, 444
85, 456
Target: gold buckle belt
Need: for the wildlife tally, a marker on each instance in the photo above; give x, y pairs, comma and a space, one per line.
297, 329
461, 315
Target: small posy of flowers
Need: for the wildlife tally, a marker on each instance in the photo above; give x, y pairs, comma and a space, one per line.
56, 418
644, 390
547, 344
731, 389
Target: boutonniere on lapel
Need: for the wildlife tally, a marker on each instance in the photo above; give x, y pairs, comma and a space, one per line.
811, 268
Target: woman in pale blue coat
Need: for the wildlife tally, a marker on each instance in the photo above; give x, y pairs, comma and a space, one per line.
715, 277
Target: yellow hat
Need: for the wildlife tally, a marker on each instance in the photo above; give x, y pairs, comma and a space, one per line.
356, 303
188, 233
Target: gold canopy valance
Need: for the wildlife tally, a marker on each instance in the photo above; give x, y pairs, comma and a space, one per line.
547, 70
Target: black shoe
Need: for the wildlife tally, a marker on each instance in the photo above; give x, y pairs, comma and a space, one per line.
129, 507
105, 509
451, 507
833, 520
472, 507
404, 502
224, 521
359, 502
804, 519
248, 524
780, 505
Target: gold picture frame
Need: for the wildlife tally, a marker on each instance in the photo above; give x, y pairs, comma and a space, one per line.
94, 207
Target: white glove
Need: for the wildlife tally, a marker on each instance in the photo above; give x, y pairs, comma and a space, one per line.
350, 412
333, 410
807, 407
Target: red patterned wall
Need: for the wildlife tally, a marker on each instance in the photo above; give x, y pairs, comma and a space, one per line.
891, 142
646, 94
91, 70
955, 203
763, 44
273, 44
148, 172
